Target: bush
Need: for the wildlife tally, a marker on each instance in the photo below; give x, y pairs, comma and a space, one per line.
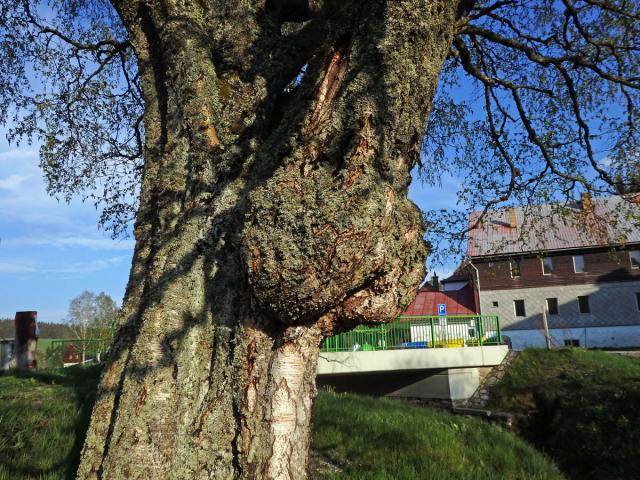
584, 409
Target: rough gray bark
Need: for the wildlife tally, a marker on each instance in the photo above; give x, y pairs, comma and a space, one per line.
269, 218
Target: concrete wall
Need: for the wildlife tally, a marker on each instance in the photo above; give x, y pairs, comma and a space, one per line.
614, 320
589, 337
430, 373
450, 384
6, 354
611, 304
340, 363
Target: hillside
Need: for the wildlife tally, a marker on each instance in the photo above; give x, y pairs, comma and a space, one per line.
581, 407
354, 437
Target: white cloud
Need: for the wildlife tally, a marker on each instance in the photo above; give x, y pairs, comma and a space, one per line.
24, 200
84, 242
12, 182
18, 154
606, 162
87, 267
76, 268
17, 266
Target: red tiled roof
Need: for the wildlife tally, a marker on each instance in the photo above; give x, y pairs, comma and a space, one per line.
459, 302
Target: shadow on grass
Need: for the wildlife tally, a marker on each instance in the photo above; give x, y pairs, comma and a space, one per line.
82, 382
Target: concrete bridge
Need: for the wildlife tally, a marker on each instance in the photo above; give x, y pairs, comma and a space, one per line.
419, 357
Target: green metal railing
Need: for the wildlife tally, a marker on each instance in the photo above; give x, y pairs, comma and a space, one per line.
414, 332
72, 351
65, 352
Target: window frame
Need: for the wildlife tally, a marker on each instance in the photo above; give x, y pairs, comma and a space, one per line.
542, 263
637, 265
517, 262
584, 264
515, 307
580, 305
557, 308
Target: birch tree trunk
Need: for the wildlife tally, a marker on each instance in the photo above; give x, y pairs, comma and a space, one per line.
273, 213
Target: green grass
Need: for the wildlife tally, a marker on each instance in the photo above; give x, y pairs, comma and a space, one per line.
44, 416
371, 438
44, 344
583, 409
43, 419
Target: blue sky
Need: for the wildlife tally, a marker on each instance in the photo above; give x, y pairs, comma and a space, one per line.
51, 251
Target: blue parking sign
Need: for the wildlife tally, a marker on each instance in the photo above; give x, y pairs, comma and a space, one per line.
442, 309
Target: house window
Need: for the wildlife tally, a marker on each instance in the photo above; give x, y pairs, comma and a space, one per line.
583, 302
638, 300
634, 257
547, 265
578, 263
518, 305
571, 342
552, 306
514, 266
495, 304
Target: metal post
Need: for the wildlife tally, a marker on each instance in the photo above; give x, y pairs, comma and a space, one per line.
433, 333
384, 337
498, 330
547, 337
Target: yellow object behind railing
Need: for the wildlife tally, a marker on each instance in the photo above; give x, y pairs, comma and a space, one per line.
450, 343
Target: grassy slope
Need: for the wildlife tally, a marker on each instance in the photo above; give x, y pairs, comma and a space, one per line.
584, 409
373, 438
43, 417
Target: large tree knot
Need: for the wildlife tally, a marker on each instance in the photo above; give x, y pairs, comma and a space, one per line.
347, 242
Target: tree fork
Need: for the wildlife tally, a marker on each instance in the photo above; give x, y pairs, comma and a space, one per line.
268, 220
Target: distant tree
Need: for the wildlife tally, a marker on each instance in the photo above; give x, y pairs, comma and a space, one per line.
54, 330
91, 316
47, 329
6, 328
107, 311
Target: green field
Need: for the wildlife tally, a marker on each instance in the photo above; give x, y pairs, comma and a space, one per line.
44, 416
583, 409
44, 344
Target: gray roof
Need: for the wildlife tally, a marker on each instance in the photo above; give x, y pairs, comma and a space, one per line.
609, 221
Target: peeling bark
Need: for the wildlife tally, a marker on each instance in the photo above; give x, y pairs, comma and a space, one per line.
269, 219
